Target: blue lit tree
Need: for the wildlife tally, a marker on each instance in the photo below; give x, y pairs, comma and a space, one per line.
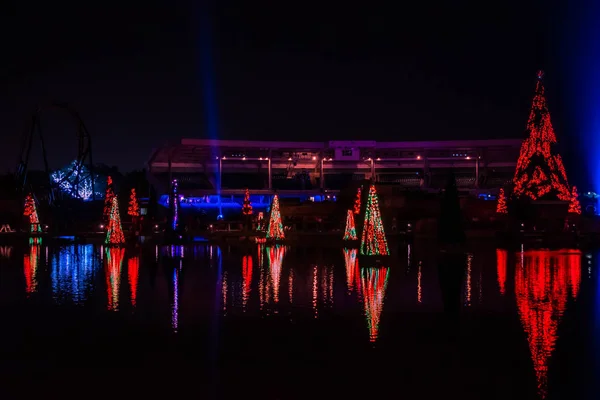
76, 181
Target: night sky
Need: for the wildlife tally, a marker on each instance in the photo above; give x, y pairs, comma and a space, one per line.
137, 72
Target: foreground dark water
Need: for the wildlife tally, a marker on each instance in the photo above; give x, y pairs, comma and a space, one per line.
292, 322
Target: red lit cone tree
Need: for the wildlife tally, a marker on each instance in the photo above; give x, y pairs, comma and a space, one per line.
373, 240
540, 173
31, 212
133, 210
134, 206
275, 227
501, 206
247, 209
247, 205
357, 202
350, 231
114, 233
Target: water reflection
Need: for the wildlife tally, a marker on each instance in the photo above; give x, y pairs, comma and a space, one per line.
175, 304
247, 280
374, 285
501, 269
6, 251
542, 282
419, 286
72, 273
352, 269
468, 285
133, 271
275, 259
114, 262
30, 268
270, 275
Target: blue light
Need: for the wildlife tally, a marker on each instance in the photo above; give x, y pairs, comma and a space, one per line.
66, 178
581, 57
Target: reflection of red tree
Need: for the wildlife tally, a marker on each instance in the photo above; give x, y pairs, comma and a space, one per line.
501, 268
541, 289
133, 268
247, 279
352, 270
30, 265
374, 284
114, 261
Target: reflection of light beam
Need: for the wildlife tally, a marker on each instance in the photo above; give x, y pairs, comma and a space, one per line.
541, 290
133, 268
352, 270
419, 288
30, 266
275, 259
247, 280
374, 284
175, 305
114, 262
315, 292
71, 273
501, 269
468, 284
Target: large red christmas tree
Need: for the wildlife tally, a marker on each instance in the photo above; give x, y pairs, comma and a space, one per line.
540, 173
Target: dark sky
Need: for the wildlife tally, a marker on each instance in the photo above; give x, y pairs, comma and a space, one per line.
281, 70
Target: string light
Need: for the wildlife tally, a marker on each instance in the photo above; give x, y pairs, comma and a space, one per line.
540, 173
543, 280
357, 202
350, 232
501, 206
275, 228
247, 206
374, 285
108, 197
31, 212
260, 220
373, 237
134, 207
114, 234
574, 206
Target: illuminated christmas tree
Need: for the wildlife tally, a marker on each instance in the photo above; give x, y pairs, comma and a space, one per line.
275, 227
373, 236
31, 212
134, 207
539, 173
260, 221
108, 197
114, 233
357, 202
247, 206
501, 206
350, 232
574, 206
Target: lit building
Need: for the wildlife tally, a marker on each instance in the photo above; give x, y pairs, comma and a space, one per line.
206, 168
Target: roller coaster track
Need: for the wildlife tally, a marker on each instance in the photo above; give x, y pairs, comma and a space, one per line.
73, 176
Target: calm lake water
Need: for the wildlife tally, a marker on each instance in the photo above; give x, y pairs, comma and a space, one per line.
292, 322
